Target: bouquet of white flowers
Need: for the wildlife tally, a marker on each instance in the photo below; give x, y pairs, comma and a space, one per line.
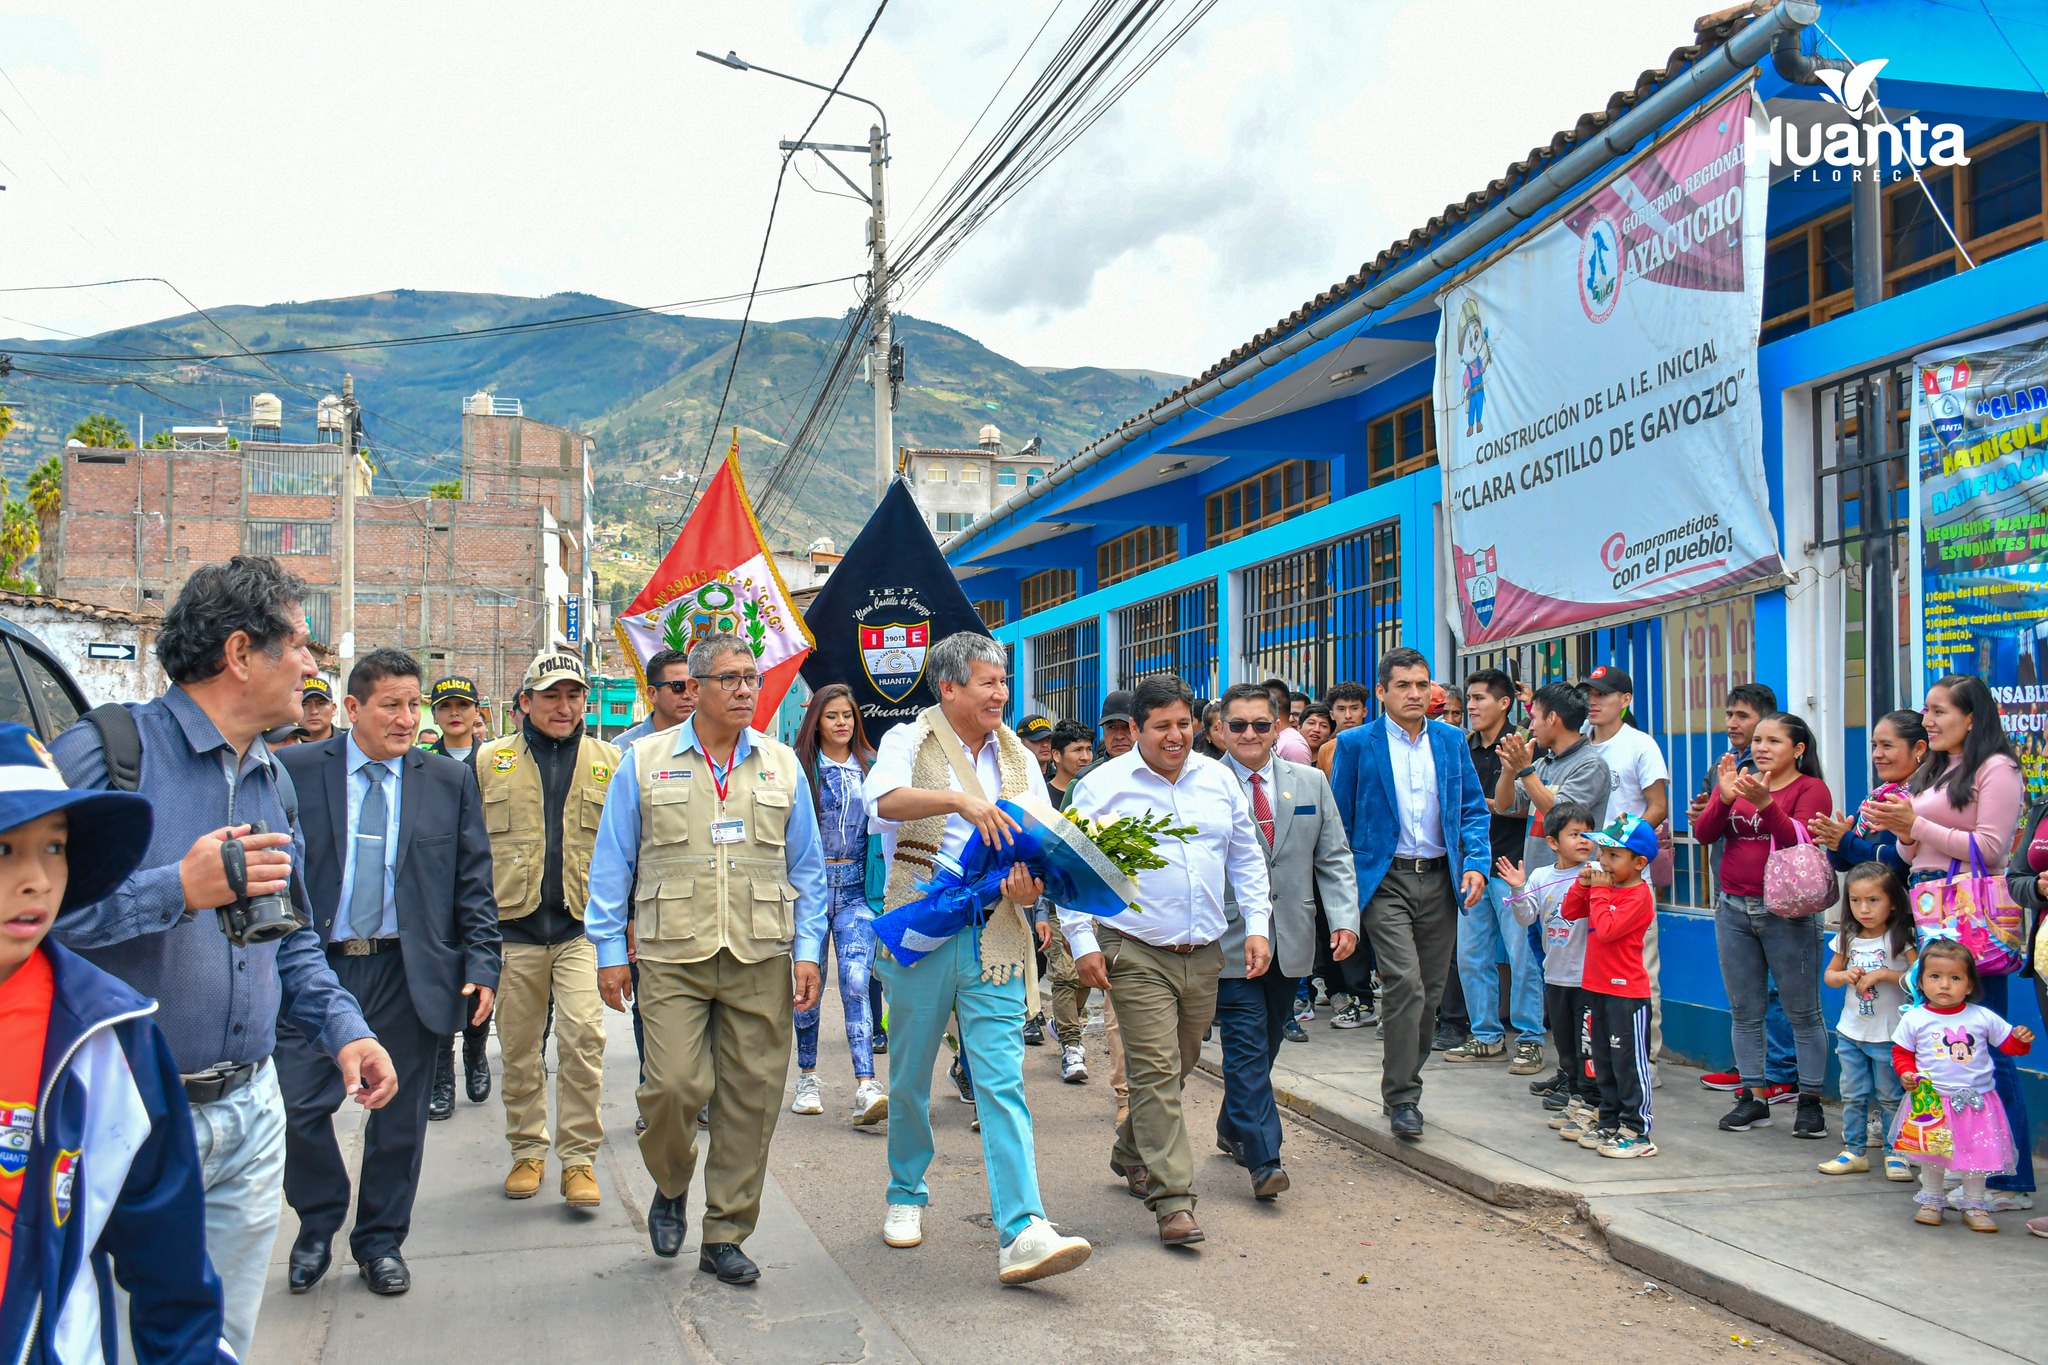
1129, 843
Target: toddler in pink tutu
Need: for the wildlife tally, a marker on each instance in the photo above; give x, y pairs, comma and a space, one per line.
1951, 1118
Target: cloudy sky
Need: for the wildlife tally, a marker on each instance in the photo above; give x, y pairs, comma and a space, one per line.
256, 153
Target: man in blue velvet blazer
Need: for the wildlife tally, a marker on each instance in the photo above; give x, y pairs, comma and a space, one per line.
1410, 798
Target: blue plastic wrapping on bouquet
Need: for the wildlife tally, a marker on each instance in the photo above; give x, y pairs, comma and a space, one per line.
960, 891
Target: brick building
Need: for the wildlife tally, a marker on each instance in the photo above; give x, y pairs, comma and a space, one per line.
474, 585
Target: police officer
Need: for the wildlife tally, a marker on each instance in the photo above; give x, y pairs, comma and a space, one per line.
316, 702
544, 787
453, 703
715, 821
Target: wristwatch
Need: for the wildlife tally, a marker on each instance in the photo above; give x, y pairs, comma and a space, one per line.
1525, 772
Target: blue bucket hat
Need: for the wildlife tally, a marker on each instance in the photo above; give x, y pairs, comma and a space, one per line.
1629, 832
109, 830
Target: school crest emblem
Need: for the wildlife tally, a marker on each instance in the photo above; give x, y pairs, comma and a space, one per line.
893, 655
63, 1177
17, 1131
1478, 573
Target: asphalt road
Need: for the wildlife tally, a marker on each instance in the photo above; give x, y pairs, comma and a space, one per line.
1362, 1260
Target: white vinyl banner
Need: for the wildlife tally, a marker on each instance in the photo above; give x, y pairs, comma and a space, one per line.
1597, 400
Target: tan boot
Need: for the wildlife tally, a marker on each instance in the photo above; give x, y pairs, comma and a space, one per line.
524, 1182
579, 1187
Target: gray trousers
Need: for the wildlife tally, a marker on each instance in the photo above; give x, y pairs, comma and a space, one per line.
1412, 921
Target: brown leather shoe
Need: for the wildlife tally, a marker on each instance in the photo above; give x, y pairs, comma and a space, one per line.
1134, 1176
579, 1188
524, 1182
1179, 1229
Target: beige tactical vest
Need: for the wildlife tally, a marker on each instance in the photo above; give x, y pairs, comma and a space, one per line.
693, 896
514, 811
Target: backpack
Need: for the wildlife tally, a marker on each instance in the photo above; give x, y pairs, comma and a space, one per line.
121, 745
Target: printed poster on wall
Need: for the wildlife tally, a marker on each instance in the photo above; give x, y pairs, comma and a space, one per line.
1597, 397
1980, 518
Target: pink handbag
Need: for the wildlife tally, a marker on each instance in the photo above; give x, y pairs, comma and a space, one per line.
1976, 909
1799, 881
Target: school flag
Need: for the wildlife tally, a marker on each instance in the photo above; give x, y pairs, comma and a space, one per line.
890, 600
719, 579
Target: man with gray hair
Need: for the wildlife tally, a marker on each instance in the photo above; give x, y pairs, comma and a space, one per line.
934, 785
711, 832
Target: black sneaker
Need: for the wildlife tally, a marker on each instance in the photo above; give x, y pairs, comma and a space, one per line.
961, 1081
1293, 1031
1560, 1098
1034, 1031
1749, 1112
1447, 1037
1551, 1085
1812, 1121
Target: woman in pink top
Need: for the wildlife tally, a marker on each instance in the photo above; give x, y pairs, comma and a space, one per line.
1752, 814
1970, 787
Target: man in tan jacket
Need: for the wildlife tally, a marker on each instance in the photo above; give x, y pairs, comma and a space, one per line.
544, 788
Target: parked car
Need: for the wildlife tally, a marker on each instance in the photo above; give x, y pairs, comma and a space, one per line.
35, 688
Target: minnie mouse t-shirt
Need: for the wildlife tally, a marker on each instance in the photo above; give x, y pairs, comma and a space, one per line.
1953, 1051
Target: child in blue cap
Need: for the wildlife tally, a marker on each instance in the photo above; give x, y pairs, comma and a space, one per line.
99, 1177
1615, 992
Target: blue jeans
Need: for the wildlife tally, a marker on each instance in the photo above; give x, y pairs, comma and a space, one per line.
1758, 948
991, 1034
241, 1164
1781, 1064
852, 932
1487, 933
1866, 1075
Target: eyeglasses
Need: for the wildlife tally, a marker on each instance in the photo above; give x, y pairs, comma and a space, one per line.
675, 685
733, 682
1259, 727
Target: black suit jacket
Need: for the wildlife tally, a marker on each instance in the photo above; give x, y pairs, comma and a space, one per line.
447, 913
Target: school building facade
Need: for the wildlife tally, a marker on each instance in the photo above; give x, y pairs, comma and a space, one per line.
1283, 515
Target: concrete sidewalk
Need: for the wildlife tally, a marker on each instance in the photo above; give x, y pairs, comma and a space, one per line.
495, 1279
1740, 1219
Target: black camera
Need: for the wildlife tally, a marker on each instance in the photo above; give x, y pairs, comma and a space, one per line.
249, 920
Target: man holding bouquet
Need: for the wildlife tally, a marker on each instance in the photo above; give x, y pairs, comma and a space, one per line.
934, 786
1161, 962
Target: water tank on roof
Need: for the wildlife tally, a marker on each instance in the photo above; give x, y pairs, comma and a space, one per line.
266, 415
479, 403
991, 437
328, 417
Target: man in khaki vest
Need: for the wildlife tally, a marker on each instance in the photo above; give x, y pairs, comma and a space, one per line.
544, 788
713, 835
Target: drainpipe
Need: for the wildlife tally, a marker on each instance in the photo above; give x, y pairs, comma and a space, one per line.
1619, 139
1866, 197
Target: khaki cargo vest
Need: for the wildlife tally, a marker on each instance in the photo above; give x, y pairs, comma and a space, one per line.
514, 809
694, 897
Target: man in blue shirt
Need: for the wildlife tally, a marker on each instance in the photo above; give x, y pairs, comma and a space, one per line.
235, 646
710, 830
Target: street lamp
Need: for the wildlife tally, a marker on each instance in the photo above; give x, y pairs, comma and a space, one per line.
880, 373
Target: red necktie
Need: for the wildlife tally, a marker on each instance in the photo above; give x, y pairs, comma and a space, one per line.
1262, 809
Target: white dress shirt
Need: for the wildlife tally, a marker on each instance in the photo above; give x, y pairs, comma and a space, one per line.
1415, 797
358, 789
891, 772
1268, 775
1183, 901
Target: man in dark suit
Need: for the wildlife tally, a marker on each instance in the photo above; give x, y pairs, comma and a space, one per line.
1410, 797
398, 871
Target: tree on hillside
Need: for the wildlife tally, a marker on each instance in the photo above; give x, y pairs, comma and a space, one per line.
6, 420
103, 431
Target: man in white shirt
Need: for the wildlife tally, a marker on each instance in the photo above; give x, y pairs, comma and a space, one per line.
934, 784
1642, 786
1161, 962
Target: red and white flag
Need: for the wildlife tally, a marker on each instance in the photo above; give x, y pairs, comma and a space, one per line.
719, 578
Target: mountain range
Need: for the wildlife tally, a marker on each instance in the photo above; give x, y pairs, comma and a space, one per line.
646, 385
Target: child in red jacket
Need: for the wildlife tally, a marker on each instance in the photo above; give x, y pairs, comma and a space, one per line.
1615, 996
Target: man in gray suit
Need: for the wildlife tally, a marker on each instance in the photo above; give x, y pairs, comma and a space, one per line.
1306, 852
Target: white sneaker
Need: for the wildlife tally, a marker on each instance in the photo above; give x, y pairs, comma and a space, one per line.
807, 1100
1995, 1201
870, 1103
904, 1225
1073, 1065
1037, 1252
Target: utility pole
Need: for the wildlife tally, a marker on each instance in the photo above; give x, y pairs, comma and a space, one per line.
880, 373
345, 619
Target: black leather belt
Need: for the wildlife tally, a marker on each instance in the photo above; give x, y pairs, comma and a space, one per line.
363, 947
217, 1083
1420, 864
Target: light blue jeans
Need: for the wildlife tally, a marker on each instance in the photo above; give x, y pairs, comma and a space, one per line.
921, 997
241, 1165
1486, 934
1867, 1078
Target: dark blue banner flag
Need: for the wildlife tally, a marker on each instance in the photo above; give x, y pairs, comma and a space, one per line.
890, 600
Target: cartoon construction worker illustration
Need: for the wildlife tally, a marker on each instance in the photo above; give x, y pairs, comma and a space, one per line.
1475, 348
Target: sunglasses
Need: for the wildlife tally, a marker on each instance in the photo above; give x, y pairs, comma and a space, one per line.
675, 685
1238, 727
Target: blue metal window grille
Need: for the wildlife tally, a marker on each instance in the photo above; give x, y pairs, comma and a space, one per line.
1066, 671
1325, 615
1174, 634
